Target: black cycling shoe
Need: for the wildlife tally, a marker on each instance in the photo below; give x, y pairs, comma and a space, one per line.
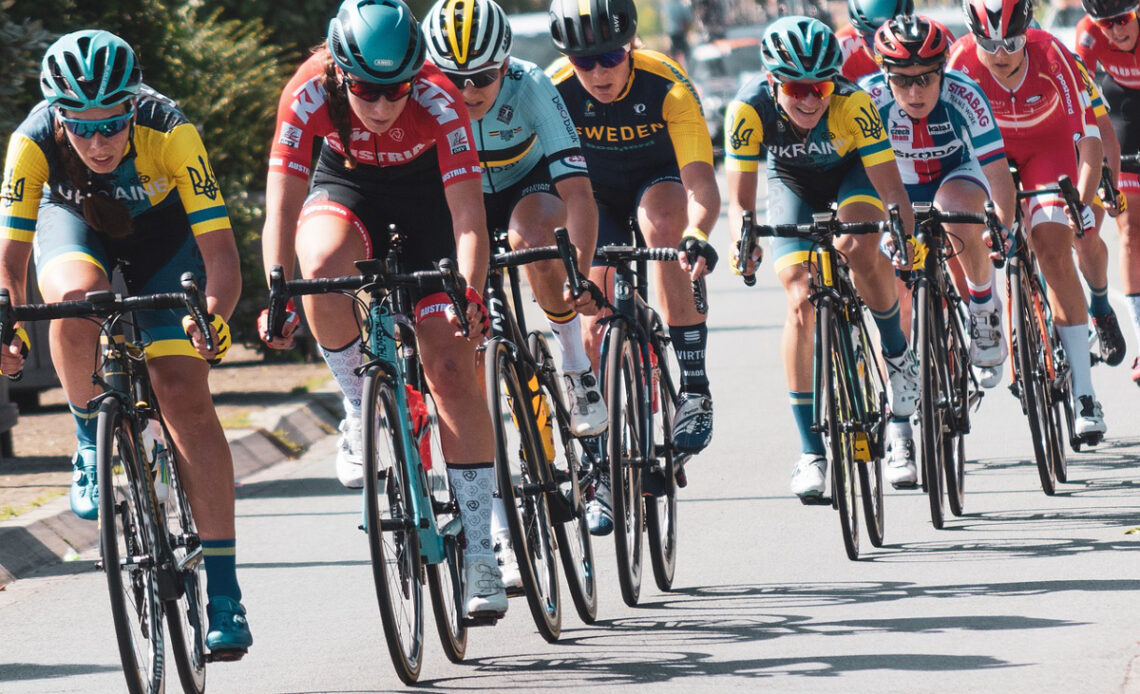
1112, 345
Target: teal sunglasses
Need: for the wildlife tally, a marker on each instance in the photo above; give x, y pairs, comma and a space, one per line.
107, 127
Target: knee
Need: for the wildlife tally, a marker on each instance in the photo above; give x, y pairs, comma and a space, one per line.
665, 227
801, 313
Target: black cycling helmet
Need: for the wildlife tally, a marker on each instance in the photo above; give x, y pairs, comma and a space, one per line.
592, 27
1103, 9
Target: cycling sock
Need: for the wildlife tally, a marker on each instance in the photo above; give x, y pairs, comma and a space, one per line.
689, 345
890, 332
342, 362
980, 294
221, 568
499, 521
567, 329
899, 427
810, 441
1098, 301
1075, 339
86, 423
1134, 309
473, 485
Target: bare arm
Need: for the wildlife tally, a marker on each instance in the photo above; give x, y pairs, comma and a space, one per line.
14, 257
581, 217
888, 183
741, 199
223, 271
284, 197
469, 222
703, 204
1090, 154
1002, 189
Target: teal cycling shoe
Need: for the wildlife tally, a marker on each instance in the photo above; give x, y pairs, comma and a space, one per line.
228, 637
84, 487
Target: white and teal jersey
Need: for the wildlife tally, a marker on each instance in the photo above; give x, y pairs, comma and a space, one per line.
527, 126
961, 128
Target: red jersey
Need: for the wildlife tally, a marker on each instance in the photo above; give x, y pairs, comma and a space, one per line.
1049, 105
1094, 48
858, 59
434, 116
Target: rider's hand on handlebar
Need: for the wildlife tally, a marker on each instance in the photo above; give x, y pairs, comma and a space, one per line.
1087, 222
219, 329
477, 316
1000, 247
696, 254
899, 260
588, 302
1115, 207
753, 262
288, 329
12, 356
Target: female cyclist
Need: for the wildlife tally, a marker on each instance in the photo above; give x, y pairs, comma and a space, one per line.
128, 185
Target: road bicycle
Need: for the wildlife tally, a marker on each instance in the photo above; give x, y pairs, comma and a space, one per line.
538, 472
850, 407
949, 388
637, 383
410, 513
148, 543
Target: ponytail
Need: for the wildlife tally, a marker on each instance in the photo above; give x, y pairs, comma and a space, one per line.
101, 210
338, 108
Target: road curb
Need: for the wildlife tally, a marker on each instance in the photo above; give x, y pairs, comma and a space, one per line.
52, 533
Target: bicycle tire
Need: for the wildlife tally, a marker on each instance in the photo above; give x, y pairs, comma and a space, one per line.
186, 615
1060, 403
445, 579
519, 466
574, 541
931, 358
394, 551
958, 371
840, 413
661, 509
874, 399
624, 443
127, 536
1031, 375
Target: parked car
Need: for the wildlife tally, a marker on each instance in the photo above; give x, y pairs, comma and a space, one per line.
718, 70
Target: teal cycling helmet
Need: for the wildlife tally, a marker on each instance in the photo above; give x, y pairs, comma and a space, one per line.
89, 69
376, 41
800, 49
868, 15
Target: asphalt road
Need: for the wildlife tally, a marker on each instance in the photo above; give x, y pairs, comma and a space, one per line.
1024, 593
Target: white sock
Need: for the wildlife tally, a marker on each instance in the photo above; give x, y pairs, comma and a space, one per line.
568, 334
897, 430
342, 363
988, 285
1134, 310
1075, 339
499, 517
474, 485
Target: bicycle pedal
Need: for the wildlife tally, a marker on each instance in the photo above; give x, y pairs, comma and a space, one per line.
653, 483
516, 592
815, 500
1090, 439
482, 619
226, 655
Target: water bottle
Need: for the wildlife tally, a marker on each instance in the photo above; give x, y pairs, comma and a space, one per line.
154, 443
421, 431
542, 417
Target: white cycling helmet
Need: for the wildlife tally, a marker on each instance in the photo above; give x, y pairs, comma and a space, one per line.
467, 36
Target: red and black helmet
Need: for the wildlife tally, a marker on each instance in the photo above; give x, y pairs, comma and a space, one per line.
998, 19
912, 40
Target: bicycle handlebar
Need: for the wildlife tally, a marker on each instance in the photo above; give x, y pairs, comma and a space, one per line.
745, 245
926, 212
1130, 158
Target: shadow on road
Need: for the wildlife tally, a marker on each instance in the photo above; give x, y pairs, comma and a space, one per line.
295, 487
15, 672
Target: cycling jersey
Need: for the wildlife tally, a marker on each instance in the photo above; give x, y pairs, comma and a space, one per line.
527, 125
655, 123
434, 117
960, 128
858, 57
1119, 82
165, 167
812, 164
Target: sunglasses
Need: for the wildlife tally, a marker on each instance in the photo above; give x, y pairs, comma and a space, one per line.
1011, 44
1120, 20
107, 127
802, 90
607, 60
922, 79
371, 91
479, 80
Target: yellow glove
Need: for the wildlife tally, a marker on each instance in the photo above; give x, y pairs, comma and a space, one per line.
220, 326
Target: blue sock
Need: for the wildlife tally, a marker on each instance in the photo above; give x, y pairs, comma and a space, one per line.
86, 425
221, 568
811, 441
890, 332
1098, 301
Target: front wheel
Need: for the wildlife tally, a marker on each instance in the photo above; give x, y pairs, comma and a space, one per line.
661, 501
870, 387
1032, 376
127, 540
841, 435
934, 398
390, 522
624, 452
522, 474
186, 615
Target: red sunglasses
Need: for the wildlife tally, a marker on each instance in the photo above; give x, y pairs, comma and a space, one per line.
1120, 20
371, 91
802, 90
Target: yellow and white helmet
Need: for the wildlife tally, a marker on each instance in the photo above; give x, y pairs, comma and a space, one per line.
465, 36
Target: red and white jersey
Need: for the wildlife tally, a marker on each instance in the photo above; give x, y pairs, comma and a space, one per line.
1095, 49
434, 116
858, 57
1050, 104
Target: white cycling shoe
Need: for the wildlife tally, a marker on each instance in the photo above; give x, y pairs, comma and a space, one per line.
483, 592
588, 414
508, 563
809, 477
349, 457
903, 392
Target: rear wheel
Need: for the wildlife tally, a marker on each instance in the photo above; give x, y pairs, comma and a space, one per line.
573, 533
661, 501
392, 537
520, 466
445, 579
954, 458
127, 535
624, 453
